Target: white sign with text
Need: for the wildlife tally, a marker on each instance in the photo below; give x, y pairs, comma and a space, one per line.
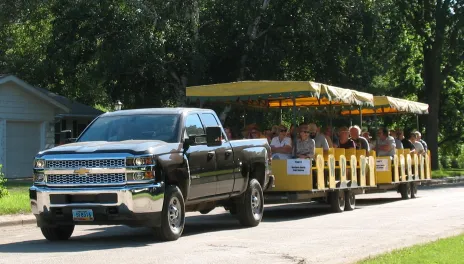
382, 164
298, 167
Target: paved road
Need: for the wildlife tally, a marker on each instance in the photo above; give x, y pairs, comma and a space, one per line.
300, 233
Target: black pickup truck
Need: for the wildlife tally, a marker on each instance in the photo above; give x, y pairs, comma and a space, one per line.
148, 167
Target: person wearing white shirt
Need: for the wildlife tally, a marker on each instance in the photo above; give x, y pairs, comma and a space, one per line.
281, 146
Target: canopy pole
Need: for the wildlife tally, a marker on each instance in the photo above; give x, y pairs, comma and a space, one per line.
293, 135
280, 110
360, 116
417, 122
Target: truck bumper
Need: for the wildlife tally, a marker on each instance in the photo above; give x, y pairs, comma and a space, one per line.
139, 205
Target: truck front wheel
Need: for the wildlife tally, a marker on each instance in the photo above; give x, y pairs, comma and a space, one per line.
58, 233
172, 216
250, 207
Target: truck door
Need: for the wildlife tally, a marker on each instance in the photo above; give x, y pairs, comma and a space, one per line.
202, 161
224, 158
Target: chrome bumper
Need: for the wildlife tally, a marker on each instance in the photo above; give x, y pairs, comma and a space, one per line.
131, 205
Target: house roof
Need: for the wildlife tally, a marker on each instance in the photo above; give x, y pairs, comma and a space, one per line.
70, 107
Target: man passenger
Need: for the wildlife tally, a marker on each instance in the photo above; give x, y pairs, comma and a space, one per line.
398, 143
319, 139
385, 145
361, 142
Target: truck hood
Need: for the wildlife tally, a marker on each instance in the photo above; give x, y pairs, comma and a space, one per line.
136, 147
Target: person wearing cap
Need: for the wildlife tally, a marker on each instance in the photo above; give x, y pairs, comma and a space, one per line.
305, 146
319, 139
281, 145
361, 142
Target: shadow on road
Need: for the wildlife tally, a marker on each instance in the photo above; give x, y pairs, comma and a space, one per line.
112, 237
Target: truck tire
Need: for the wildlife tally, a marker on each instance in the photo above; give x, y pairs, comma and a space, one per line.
250, 207
172, 216
58, 233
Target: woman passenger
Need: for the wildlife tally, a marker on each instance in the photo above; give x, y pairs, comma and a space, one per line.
281, 146
344, 138
305, 146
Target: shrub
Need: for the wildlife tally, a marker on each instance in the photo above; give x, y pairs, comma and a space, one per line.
3, 190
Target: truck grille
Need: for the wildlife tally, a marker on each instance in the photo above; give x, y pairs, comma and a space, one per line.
110, 178
98, 163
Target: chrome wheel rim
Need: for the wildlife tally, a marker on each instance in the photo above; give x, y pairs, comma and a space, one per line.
341, 200
175, 215
256, 204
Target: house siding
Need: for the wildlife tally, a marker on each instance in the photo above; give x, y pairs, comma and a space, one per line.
18, 104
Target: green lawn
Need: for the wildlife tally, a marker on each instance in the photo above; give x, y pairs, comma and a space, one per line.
17, 201
449, 250
437, 174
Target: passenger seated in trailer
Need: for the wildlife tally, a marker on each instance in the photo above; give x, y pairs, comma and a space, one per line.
360, 142
398, 143
281, 145
419, 147
305, 146
319, 139
328, 136
385, 144
344, 138
365, 134
408, 143
419, 139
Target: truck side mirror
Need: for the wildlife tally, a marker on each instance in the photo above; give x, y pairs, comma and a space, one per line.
213, 136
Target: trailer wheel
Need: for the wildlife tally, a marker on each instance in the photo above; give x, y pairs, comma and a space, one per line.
337, 201
405, 191
413, 190
350, 200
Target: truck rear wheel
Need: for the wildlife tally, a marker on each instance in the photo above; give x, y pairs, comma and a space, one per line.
250, 207
58, 233
172, 216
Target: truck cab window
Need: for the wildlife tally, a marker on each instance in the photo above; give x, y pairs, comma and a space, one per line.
209, 120
193, 126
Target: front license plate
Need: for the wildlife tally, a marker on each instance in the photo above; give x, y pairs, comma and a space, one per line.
82, 214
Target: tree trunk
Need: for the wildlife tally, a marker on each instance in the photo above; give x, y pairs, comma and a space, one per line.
252, 36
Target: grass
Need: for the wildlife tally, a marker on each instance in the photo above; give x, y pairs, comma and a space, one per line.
437, 174
449, 250
17, 201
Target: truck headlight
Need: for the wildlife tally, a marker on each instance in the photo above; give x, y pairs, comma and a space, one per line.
140, 161
39, 163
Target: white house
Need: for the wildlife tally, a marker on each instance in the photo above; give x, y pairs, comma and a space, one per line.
31, 120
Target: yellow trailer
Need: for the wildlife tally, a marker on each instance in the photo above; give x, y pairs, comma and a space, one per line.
404, 171
337, 175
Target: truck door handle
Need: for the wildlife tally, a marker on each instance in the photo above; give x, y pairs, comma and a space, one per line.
211, 154
228, 152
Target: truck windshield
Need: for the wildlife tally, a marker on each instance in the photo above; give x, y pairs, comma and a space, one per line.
133, 127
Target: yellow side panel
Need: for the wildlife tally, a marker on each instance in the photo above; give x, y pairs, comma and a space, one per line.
354, 174
402, 168
372, 180
427, 165
396, 168
422, 167
362, 170
383, 170
285, 182
331, 171
409, 165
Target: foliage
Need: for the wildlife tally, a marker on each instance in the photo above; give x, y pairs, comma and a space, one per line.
3, 190
146, 52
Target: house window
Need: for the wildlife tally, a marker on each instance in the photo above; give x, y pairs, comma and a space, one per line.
74, 129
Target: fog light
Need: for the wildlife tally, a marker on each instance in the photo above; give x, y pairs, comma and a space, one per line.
39, 177
138, 176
